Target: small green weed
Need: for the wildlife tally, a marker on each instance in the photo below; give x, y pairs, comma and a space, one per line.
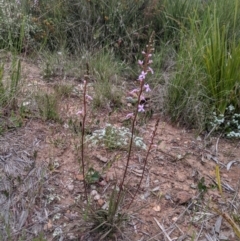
9, 90
48, 73
48, 106
92, 176
106, 94
39, 238
202, 188
63, 90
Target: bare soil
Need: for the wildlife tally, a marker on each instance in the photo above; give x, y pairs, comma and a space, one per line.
42, 184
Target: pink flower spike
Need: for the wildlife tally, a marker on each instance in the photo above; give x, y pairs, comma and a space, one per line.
150, 61
130, 115
89, 97
151, 70
141, 108
147, 88
140, 62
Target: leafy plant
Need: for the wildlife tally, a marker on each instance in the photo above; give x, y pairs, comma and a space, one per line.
110, 221
228, 123
202, 186
92, 176
113, 137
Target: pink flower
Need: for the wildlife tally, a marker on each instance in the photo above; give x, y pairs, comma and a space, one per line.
89, 97
150, 61
147, 88
141, 108
133, 91
150, 70
80, 112
142, 97
140, 62
130, 115
142, 76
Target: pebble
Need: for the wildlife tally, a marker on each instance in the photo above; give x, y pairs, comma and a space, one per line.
70, 187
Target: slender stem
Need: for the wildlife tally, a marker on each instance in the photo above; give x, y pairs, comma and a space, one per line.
82, 139
145, 163
145, 66
130, 145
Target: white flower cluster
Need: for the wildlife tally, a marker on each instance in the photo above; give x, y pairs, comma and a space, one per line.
114, 137
229, 122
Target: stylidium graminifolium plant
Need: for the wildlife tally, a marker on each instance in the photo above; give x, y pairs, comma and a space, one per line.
143, 87
114, 137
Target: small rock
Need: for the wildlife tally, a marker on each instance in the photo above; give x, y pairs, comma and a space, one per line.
70, 187
96, 197
109, 176
79, 177
181, 177
71, 236
102, 183
105, 206
94, 193
48, 225
157, 208
227, 235
168, 197
199, 138
155, 189
100, 202
101, 158
145, 195
182, 197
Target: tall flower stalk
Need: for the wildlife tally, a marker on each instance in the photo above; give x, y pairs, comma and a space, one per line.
145, 69
83, 112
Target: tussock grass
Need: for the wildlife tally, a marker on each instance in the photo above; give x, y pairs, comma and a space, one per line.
207, 64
